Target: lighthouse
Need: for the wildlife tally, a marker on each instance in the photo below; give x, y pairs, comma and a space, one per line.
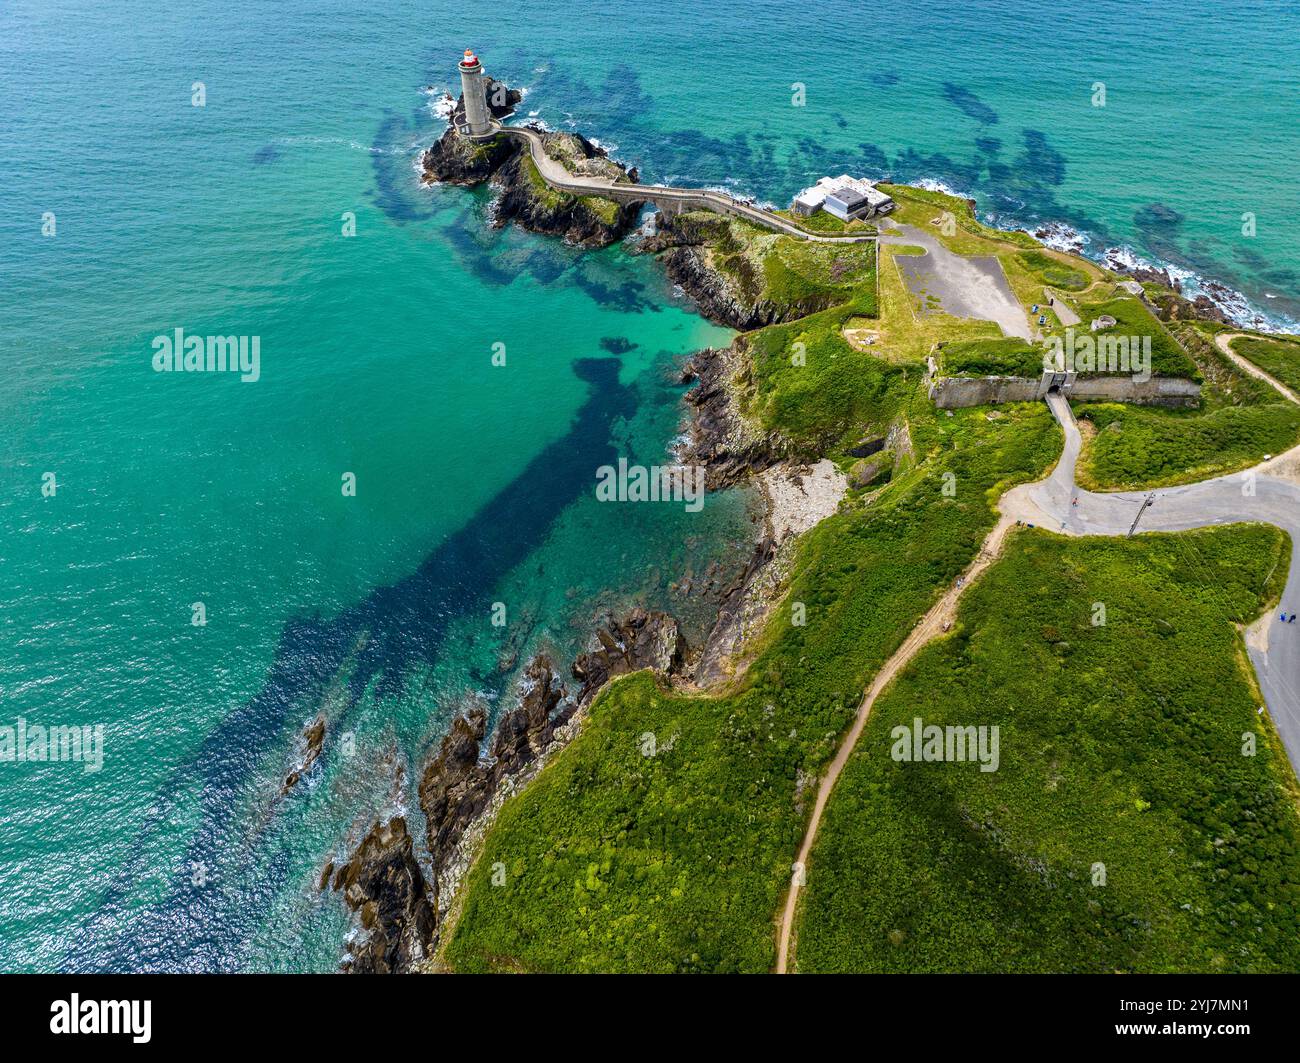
478, 119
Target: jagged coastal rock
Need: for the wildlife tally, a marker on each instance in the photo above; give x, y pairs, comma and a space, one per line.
691, 247
729, 447
589, 221
643, 640
398, 907
523, 197
383, 884
313, 738
457, 784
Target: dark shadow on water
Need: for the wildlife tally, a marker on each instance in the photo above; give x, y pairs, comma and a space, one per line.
400, 629
969, 104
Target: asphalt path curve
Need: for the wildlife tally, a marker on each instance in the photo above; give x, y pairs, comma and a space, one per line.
1268, 493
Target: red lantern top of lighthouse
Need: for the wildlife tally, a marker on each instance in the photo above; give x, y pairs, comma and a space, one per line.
470, 58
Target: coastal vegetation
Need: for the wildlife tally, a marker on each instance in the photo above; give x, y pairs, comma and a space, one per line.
1277, 356
1134, 320
808, 383
1241, 420
749, 277
1124, 829
824, 223
991, 357
615, 860
1056, 272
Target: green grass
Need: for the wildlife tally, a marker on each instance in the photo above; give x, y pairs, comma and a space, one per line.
797, 271
604, 209
1241, 419
1148, 447
991, 357
1280, 358
619, 862
1054, 272
835, 392
828, 224
797, 277
1133, 319
1119, 745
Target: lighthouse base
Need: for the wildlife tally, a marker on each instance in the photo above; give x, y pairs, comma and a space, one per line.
494, 127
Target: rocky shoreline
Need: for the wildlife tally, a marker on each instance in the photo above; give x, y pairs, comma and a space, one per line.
401, 911
522, 196
719, 437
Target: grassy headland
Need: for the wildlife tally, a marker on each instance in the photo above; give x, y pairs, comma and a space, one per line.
1121, 762
1240, 420
618, 861
660, 839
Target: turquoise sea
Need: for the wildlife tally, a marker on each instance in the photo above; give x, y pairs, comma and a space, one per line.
473, 481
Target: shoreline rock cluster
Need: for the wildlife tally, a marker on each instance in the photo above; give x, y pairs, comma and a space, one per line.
399, 909
522, 196
719, 438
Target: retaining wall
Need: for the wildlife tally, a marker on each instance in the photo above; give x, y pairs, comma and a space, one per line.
951, 392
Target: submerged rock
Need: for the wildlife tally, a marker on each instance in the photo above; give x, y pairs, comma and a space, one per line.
313, 738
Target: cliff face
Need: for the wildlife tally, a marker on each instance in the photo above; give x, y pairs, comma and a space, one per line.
454, 160
523, 196
724, 273
720, 439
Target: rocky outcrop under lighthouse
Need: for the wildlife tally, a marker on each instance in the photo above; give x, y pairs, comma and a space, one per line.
523, 197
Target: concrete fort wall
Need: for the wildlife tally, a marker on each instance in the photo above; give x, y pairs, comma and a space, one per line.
954, 392
950, 393
1158, 391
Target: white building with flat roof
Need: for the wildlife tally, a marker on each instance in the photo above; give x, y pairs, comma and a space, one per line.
844, 197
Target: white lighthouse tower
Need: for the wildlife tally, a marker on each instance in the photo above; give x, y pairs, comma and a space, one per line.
478, 119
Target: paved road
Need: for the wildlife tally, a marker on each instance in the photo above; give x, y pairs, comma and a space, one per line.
972, 286
1269, 493
1064, 312
554, 174
1058, 504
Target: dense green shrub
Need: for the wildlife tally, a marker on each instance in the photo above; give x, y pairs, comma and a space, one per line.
1120, 745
